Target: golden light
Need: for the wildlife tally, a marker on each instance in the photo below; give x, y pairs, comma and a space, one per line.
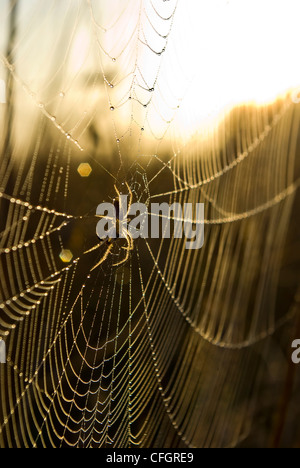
219, 54
231, 52
84, 169
66, 255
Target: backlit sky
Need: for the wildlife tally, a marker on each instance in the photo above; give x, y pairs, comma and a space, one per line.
220, 52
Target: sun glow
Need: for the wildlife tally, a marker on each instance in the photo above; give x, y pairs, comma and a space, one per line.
218, 54
232, 52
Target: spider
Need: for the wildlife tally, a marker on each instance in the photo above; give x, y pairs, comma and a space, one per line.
119, 229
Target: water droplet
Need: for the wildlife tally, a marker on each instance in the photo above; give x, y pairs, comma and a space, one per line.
142, 129
62, 94
114, 59
151, 90
112, 108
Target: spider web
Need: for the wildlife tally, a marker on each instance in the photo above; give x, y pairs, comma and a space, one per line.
174, 347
